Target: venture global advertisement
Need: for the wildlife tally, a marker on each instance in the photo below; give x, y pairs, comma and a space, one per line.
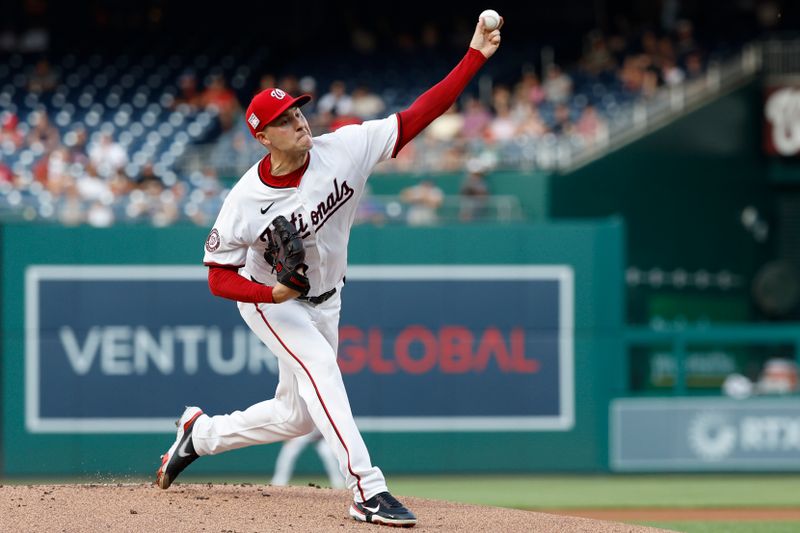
421, 348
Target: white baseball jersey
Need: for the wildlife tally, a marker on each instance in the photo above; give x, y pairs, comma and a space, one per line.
322, 207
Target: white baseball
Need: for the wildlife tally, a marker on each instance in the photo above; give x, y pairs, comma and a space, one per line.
491, 19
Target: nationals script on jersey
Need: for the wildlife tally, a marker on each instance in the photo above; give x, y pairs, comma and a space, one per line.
322, 207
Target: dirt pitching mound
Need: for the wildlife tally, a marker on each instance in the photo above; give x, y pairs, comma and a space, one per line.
247, 508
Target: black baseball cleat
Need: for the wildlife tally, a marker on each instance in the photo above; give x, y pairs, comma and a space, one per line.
383, 509
181, 454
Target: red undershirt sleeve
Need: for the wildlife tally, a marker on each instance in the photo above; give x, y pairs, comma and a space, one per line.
227, 283
436, 100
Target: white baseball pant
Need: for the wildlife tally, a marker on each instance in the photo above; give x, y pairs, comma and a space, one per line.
310, 393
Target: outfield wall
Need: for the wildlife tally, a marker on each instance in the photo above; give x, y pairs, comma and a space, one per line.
476, 348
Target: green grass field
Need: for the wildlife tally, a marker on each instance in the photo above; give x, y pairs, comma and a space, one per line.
539, 492
599, 492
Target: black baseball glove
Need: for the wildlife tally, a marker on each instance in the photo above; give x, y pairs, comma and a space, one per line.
286, 254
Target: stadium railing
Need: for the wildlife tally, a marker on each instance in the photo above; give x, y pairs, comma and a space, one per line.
681, 339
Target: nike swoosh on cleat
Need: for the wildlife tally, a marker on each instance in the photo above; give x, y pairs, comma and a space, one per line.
182, 450
375, 510
265, 209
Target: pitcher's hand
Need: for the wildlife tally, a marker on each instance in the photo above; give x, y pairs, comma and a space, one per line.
485, 41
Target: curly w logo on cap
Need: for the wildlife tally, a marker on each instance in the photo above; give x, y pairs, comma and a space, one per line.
267, 105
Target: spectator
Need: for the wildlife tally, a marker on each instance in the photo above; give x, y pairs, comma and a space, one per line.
147, 174
671, 73
233, 150
529, 90
597, 58
369, 210
557, 86
70, 210
632, 73
424, 201
6, 175
76, 142
336, 101
289, 84
100, 214
43, 135
209, 181
189, 94
649, 44
107, 156
530, 122
120, 185
267, 81
42, 79
447, 127
308, 85
91, 186
476, 119
563, 122
39, 170
591, 128
503, 127
57, 164
366, 104
666, 52
146, 199
444, 157
685, 42
218, 96
9, 132
694, 66
474, 194
501, 97
618, 47
779, 376
650, 82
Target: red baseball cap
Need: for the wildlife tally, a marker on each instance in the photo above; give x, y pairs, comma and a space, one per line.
267, 105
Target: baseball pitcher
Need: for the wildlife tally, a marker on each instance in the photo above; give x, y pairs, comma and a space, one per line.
279, 248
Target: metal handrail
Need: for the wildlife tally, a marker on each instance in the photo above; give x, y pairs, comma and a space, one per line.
500, 208
735, 333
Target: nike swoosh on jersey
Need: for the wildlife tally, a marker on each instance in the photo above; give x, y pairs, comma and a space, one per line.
265, 209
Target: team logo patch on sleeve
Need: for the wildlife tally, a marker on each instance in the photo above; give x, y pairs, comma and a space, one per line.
212, 242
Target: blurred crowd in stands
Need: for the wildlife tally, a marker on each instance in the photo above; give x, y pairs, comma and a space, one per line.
574, 105
76, 181
78, 175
